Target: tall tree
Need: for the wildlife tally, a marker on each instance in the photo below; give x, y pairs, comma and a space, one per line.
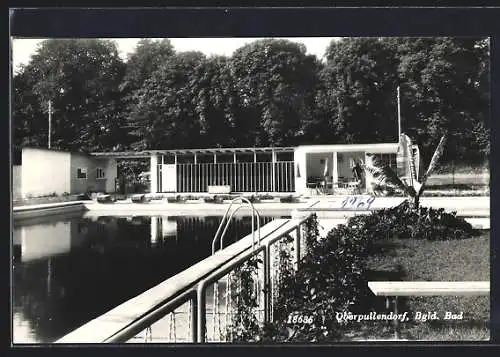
146, 58
276, 82
360, 79
80, 77
29, 122
165, 115
444, 85
217, 103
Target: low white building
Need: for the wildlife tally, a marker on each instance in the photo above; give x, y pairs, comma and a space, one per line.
306, 169
48, 171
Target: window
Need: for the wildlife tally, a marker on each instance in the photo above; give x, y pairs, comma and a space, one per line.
81, 173
100, 173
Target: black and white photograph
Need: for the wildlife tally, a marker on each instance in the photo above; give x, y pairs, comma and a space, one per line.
250, 190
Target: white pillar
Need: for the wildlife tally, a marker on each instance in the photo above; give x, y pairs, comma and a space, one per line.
335, 173
154, 230
273, 171
299, 158
154, 173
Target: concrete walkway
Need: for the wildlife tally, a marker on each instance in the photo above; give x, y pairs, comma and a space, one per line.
345, 206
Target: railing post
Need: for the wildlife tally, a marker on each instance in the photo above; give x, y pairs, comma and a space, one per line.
202, 318
297, 247
267, 282
194, 318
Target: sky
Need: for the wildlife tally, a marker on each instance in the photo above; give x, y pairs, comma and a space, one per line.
22, 49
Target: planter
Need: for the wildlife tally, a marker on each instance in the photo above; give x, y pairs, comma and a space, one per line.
105, 199
271, 200
220, 189
194, 201
140, 198
289, 199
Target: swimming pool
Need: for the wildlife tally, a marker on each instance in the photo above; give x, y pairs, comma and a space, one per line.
69, 269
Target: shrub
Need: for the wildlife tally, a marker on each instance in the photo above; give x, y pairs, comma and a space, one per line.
405, 222
331, 279
214, 199
332, 276
105, 199
287, 199
140, 198
254, 199
266, 197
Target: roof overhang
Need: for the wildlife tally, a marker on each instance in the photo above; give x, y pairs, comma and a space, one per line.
212, 151
372, 148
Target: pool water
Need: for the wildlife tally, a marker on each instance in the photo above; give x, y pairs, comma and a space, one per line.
68, 270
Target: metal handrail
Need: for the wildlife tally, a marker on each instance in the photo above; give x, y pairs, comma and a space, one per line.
229, 221
221, 271
195, 292
243, 199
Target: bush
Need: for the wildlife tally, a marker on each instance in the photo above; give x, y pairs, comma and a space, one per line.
404, 222
254, 199
287, 199
331, 279
266, 197
82, 197
105, 199
140, 198
176, 199
214, 199
332, 276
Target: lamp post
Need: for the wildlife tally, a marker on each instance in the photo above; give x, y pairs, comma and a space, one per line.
50, 121
399, 113
61, 91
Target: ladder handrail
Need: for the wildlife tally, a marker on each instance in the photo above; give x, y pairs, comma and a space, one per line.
253, 230
244, 200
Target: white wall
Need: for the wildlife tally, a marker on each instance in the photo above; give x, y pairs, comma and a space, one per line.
44, 172
169, 178
111, 168
153, 169
16, 182
82, 185
106, 184
299, 158
42, 241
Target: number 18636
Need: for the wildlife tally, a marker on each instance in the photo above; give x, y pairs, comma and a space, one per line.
299, 319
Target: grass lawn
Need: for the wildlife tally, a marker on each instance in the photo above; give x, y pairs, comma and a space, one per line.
408, 260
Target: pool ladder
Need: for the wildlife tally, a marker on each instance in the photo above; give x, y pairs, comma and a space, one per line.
255, 214
227, 219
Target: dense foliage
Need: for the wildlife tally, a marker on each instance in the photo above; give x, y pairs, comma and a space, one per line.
333, 277
406, 222
269, 92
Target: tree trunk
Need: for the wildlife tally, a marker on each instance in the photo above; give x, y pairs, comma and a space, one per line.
416, 202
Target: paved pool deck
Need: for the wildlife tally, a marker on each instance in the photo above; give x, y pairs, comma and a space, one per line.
331, 206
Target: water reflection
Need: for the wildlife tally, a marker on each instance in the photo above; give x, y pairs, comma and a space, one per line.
68, 270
